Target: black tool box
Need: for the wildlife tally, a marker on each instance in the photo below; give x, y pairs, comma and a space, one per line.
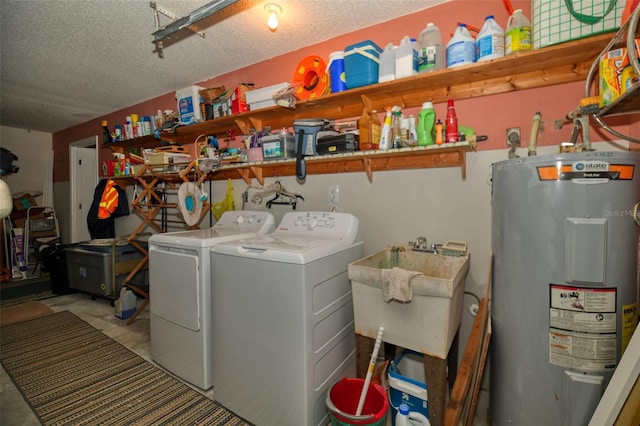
346, 142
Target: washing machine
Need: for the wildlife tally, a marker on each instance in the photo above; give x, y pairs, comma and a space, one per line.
283, 318
181, 293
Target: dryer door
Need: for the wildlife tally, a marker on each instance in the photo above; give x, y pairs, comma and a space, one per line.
174, 283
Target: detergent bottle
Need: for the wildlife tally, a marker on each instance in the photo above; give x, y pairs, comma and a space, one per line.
426, 120
404, 417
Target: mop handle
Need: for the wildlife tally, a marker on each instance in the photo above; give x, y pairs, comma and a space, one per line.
372, 364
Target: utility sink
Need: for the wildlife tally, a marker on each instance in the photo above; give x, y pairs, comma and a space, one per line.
429, 322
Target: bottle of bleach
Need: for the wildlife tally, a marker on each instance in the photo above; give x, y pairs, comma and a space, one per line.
518, 36
404, 417
490, 40
461, 49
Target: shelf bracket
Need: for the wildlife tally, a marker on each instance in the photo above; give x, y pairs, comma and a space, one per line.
244, 126
251, 172
463, 163
366, 164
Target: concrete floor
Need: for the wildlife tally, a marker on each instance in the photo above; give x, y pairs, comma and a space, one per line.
14, 411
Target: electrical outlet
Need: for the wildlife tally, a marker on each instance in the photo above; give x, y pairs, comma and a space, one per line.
334, 194
513, 136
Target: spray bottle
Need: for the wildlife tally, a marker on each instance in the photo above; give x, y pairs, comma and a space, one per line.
385, 133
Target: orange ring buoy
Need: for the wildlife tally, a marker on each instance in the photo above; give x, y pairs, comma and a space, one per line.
311, 78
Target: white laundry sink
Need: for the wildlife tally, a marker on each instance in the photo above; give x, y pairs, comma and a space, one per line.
429, 321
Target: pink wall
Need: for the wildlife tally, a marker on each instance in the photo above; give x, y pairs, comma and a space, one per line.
489, 115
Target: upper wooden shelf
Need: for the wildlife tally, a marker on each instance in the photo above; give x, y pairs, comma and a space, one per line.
563, 63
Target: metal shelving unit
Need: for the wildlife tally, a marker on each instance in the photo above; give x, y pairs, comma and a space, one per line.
629, 102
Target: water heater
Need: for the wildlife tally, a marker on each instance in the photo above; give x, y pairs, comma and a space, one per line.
565, 284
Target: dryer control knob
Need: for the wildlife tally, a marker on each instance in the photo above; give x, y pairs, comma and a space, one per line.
240, 219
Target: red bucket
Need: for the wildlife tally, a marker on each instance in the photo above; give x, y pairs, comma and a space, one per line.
343, 398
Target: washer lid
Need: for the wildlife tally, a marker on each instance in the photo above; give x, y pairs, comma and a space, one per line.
276, 248
232, 225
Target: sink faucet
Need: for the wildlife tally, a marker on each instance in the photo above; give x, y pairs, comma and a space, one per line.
420, 244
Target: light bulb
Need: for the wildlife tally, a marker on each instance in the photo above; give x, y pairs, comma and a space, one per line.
273, 10
272, 21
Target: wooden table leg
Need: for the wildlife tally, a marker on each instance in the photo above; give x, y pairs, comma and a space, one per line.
435, 370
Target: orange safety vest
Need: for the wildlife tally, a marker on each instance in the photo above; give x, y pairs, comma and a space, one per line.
108, 201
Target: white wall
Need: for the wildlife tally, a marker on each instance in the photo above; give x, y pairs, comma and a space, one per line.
33, 150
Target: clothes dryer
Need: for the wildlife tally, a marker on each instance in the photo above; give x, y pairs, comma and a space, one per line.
181, 293
283, 318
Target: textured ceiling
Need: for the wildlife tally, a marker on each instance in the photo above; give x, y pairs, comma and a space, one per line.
66, 62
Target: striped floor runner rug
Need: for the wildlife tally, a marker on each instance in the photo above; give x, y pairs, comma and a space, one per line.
72, 374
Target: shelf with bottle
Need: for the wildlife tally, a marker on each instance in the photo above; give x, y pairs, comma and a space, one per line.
368, 162
563, 63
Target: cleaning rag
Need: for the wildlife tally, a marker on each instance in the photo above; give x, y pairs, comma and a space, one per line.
396, 284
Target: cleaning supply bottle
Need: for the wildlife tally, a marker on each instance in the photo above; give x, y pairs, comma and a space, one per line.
406, 58
451, 123
439, 137
364, 138
404, 417
375, 130
396, 129
490, 40
431, 56
461, 49
413, 131
387, 67
426, 119
518, 35
385, 133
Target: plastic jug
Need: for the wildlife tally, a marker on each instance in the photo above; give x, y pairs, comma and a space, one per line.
404, 417
490, 40
406, 58
431, 55
518, 35
387, 69
461, 49
426, 120
336, 71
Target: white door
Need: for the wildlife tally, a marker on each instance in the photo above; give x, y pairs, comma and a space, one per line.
83, 179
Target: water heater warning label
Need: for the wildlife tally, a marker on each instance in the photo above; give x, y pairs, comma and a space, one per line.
582, 327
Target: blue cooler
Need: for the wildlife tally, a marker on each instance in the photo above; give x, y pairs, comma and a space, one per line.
361, 64
407, 383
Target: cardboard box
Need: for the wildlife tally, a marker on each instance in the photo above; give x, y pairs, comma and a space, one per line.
239, 99
263, 98
611, 66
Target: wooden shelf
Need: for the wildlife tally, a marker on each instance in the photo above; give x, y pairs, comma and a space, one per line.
563, 63
448, 155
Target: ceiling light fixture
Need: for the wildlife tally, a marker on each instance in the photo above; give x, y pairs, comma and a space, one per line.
273, 10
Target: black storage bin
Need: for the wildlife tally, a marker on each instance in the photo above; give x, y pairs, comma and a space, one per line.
54, 262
